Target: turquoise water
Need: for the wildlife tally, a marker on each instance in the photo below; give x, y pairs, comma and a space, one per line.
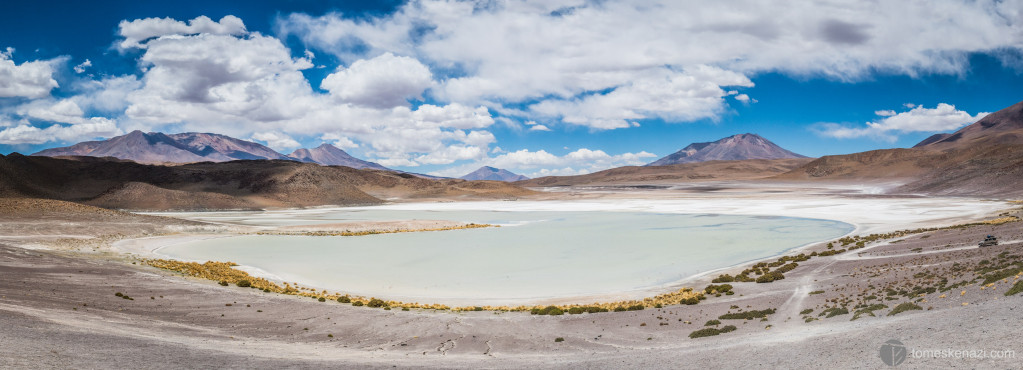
535, 256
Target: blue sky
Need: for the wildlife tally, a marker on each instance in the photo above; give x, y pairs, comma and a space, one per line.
537, 87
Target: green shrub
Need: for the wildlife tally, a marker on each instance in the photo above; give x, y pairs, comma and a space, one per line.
830, 253
748, 315
477, 308
788, 267
834, 311
576, 310
770, 277
376, 303
725, 278
712, 323
224, 283
549, 310
869, 310
903, 307
708, 332
689, 301
711, 289
559, 339
620, 309
344, 299
705, 332
806, 311
817, 292
999, 275
743, 278
244, 283
322, 299
636, 307
1015, 288
357, 303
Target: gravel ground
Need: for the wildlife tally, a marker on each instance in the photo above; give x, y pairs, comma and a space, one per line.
59, 309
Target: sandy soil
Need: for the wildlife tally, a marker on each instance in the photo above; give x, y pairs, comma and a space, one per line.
58, 308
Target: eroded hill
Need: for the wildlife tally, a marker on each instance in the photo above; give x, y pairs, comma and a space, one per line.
251, 184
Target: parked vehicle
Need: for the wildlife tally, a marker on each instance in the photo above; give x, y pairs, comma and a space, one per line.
989, 241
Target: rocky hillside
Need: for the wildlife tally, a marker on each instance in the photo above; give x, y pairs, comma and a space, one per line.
493, 174
329, 155
982, 159
156, 148
679, 173
732, 148
228, 185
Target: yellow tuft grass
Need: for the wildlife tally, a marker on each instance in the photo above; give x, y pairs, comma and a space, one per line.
1000, 220
662, 299
225, 271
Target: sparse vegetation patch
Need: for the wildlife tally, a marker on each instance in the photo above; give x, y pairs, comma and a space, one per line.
903, 307
708, 332
747, 315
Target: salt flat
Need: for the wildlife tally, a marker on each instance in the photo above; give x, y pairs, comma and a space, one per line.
535, 257
627, 246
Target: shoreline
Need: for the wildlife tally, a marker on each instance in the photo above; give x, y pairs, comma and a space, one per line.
632, 294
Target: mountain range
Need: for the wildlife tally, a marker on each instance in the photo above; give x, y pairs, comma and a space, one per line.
191, 147
493, 174
258, 184
732, 148
981, 159
1001, 127
330, 155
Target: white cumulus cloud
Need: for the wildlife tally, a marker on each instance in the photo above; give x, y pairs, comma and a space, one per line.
606, 64
385, 81
942, 118
28, 79
276, 140
136, 32
80, 68
339, 141
663, 93
91, 128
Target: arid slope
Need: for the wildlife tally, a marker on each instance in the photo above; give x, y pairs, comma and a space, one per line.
982, 159
688, 172
229, 185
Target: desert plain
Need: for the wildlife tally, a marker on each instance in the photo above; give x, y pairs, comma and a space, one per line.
68, 267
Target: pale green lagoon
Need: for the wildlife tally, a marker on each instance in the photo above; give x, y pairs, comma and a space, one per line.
535, 255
